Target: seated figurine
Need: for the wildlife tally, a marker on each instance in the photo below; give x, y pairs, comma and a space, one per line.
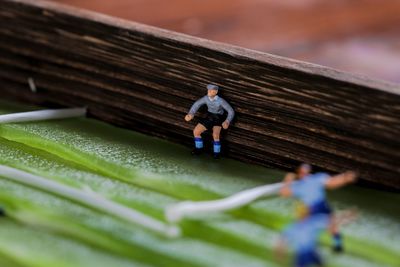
215, 119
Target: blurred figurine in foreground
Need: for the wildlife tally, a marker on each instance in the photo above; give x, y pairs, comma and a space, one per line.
214, 121
310, 189
302, 237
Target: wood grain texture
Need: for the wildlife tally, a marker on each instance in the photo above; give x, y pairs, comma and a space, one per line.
146, 79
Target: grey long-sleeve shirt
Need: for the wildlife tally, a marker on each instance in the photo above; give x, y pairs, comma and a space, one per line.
217, 106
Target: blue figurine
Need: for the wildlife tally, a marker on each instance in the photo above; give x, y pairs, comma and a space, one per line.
310, 189
215, 119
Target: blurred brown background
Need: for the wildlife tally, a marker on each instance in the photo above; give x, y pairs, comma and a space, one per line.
360, 36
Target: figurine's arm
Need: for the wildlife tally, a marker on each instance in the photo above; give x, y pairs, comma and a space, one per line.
229, 109
195, 107
231, 113
341, 180
286, 190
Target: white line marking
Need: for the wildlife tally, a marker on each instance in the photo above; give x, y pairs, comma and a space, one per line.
92, 200
175, 213
40, 115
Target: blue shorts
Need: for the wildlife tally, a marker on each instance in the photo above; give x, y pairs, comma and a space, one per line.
308, 258
320, 208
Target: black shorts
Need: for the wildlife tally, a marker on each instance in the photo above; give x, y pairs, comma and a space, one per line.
211, 120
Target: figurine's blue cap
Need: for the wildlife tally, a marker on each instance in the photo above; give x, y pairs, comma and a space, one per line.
212, 87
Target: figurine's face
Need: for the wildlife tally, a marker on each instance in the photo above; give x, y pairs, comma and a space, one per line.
303, 171
212, 93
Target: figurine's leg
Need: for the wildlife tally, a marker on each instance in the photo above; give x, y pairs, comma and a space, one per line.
336, 221
198, 141
336, 236
333, 227
217, 143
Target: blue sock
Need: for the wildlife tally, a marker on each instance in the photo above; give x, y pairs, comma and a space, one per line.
198, 142
217, 147
337, 240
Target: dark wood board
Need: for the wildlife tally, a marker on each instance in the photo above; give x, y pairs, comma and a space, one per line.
144, 78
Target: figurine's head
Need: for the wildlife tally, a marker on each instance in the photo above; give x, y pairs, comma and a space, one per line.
303, 170
212, 90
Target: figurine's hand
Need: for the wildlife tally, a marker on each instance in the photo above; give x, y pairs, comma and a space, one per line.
188, 117
225, 125
290, 177
351, 176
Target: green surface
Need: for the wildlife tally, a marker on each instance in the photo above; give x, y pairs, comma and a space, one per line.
148, 174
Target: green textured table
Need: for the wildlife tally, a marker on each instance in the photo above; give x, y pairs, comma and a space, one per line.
148, 174
144, 78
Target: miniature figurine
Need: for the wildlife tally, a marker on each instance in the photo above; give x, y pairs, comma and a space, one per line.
214, 120
310, 190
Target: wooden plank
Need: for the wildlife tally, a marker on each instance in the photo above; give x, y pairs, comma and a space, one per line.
144, 78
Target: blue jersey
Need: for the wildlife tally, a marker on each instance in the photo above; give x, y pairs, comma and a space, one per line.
302, 236
311, 189
217, 105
